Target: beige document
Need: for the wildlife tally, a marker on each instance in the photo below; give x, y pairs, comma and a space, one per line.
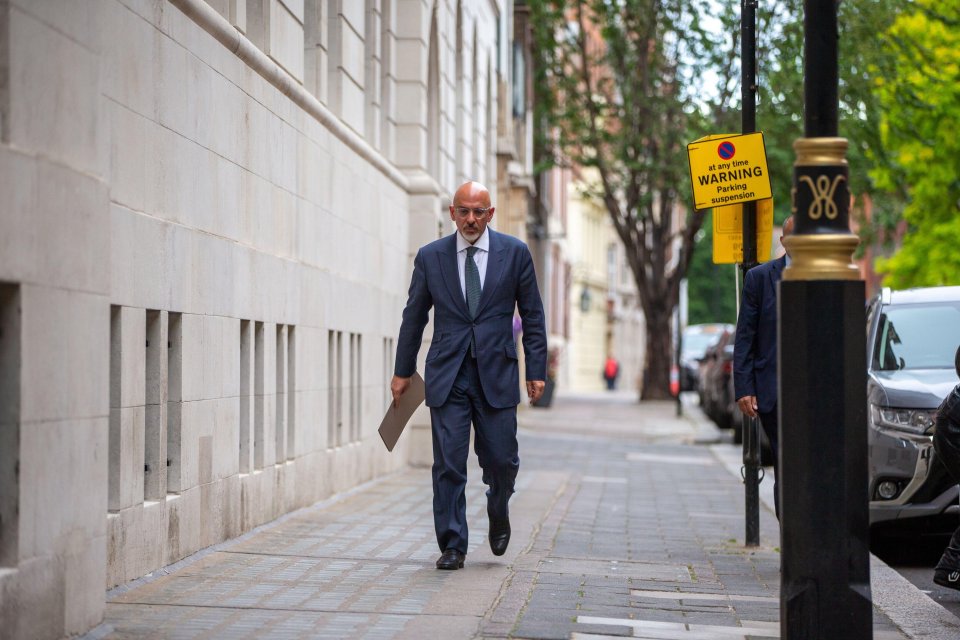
396, 418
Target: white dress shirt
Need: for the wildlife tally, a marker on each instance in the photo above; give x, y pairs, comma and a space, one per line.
480, 257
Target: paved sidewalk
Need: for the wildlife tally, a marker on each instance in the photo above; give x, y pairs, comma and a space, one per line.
626, 522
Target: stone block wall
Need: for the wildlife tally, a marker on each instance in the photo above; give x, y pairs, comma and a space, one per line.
54, 321
208, 212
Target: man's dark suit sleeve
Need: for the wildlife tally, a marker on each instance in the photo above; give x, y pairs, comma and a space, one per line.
744, 347
531, 315
415, 317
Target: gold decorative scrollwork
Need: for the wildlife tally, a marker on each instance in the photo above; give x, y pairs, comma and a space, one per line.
823, 191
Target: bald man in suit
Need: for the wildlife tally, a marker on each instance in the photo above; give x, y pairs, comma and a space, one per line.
473, 280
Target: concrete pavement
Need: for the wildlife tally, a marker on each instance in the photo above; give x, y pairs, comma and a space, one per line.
627, 521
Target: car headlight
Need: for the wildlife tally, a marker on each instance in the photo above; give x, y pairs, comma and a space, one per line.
918, 421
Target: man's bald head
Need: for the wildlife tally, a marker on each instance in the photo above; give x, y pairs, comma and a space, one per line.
786, 230
471, 210
472, 191
788, 226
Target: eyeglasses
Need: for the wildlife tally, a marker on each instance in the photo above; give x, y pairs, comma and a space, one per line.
463, 212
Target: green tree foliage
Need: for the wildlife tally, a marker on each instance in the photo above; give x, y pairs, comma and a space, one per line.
780, 92
710, 287
618, 84
780, 118
623, 85
780, 108
921, 118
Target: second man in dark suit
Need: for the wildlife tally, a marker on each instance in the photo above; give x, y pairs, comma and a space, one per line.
755, 348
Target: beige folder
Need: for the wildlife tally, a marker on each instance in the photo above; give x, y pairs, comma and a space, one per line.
397, 417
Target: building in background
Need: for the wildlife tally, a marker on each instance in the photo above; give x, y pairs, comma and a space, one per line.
883, 244
626, 325
605, 318
208, 212
550, 241
516, 189
530, 206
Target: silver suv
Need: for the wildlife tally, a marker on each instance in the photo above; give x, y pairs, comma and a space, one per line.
912, 339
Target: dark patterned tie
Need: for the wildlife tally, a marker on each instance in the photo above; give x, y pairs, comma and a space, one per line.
472, 277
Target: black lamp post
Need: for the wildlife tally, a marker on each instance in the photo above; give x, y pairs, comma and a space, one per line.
824, 521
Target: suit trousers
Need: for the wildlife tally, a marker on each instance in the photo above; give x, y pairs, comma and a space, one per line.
769, 423
495, 443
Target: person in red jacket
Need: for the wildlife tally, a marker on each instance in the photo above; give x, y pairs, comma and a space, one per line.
610, 372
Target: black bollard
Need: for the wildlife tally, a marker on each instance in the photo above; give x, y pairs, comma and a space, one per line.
748, 124
824, 521
825, 573
824, 517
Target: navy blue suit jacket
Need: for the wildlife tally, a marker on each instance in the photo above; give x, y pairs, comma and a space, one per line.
510, 283
755, 348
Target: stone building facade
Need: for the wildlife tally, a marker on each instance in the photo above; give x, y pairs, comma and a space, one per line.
604, 306
208, 211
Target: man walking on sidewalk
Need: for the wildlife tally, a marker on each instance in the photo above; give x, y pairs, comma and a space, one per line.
473, 279
755, 350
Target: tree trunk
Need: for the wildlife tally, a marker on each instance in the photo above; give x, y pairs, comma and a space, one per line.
658, 358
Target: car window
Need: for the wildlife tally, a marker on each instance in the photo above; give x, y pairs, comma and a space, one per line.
917, 336
872, 307
698, 342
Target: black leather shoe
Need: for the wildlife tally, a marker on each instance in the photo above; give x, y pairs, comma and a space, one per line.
450, 560
948, 579
499, 535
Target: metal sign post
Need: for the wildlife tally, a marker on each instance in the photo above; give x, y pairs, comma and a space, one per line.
748, 88
729, 174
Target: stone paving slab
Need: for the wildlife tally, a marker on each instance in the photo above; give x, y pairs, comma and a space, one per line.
360, 568
635, 533
615, 569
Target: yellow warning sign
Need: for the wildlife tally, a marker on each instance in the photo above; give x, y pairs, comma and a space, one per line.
728, 232
728, 169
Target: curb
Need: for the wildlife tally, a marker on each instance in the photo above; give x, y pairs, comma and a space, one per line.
910, 609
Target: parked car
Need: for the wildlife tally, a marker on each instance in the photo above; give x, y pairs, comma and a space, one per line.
716, 369
697, 338
912, 339
716, 389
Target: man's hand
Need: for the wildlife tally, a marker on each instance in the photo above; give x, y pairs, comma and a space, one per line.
535, 389
397, 386
748, 406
